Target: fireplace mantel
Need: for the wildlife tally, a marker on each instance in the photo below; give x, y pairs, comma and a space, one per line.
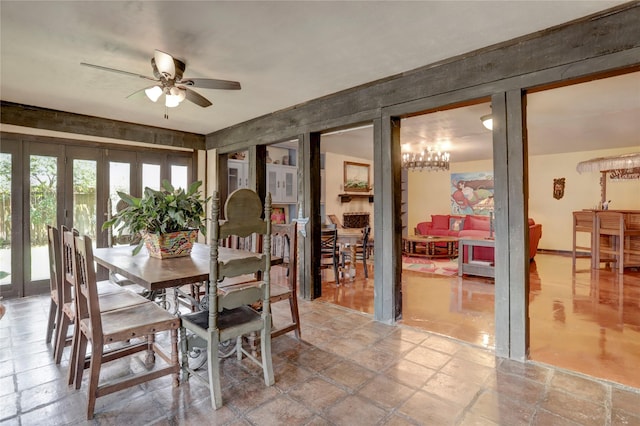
346, 198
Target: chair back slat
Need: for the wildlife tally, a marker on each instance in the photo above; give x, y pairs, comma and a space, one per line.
88, 305
328, 240
584, 220
632, 221
284, 243
610, 223
68, 280
244, 266
55, 262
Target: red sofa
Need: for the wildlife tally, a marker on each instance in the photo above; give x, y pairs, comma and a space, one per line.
473, 226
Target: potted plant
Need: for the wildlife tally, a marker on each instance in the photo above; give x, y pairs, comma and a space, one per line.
167, 220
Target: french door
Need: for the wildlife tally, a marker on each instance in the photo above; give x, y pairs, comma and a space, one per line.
45, 183
63, 187
11, 271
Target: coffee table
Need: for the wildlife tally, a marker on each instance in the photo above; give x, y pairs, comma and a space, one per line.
430, 246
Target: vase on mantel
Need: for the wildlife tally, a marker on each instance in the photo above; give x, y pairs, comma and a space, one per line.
172, 244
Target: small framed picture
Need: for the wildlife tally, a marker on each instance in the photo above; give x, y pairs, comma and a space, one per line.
356, 177
279, 214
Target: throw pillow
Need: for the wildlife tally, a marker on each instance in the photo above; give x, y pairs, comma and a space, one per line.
440, 221
456, 223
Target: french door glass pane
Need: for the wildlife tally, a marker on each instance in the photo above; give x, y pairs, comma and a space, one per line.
151, 176
5, 219
119, 180
84, 197
43, 201
179, 176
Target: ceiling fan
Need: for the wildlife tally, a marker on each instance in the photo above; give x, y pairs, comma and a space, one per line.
169, 80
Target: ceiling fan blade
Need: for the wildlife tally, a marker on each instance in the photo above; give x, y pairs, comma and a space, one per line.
197, 98
165, 64
100, 67
139, 93
211, 83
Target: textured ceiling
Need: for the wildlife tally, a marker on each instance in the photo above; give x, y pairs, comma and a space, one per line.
285, 53
583, 117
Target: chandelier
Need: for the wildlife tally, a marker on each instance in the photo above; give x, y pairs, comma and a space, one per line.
428, 159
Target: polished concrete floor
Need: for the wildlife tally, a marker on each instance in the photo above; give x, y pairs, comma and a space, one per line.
587, 321
347, 370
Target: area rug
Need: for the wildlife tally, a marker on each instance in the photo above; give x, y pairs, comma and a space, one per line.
444, 266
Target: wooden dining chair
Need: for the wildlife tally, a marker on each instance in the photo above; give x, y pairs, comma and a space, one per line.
62, 253
125, 325
361, 251
112, 297
284, 244
230, 315
584, 221
329, 251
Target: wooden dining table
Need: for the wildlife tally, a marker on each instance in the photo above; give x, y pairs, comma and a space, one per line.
158, 274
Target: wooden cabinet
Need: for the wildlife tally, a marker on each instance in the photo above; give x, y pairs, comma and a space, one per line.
238, 174
282, 183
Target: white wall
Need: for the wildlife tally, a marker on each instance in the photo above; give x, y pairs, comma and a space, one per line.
428, 192
582, 191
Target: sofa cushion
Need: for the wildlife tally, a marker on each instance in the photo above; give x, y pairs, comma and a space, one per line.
477, 223
423, 228
474, 233
440, 221
441, 233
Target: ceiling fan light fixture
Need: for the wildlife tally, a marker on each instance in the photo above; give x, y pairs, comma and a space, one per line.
174, 96
153, 93
171, 101
487, 121
179, 92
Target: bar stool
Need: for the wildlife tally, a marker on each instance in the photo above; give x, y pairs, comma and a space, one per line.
614, 225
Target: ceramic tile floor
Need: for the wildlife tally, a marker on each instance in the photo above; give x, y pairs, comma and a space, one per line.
349, 370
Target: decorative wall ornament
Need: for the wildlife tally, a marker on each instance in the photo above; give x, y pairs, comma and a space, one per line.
558, 188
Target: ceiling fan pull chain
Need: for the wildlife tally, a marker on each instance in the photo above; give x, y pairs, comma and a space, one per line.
166, 112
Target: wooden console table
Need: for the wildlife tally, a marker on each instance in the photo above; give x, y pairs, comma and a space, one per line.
473, 266
429, 246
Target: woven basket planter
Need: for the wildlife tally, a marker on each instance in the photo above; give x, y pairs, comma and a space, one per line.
173, 244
